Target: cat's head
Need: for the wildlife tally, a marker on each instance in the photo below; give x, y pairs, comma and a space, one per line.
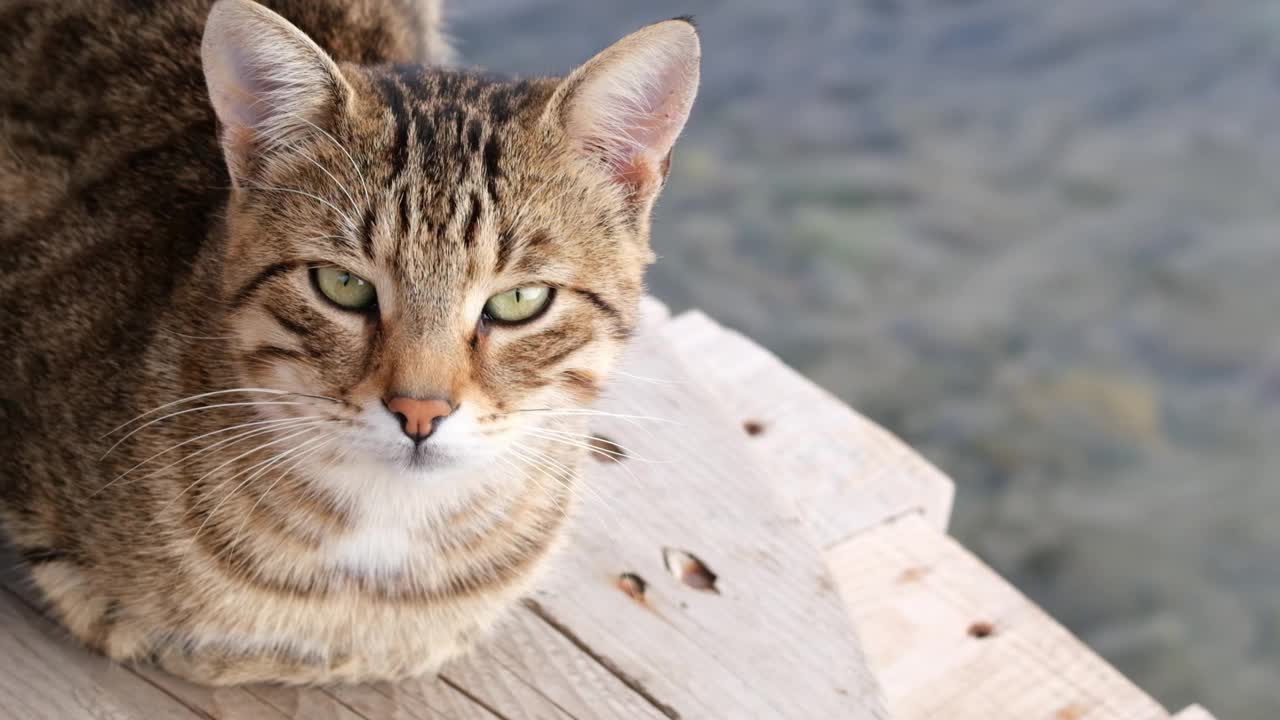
451, 257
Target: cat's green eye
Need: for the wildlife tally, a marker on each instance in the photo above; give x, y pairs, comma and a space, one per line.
518, 305
344, 289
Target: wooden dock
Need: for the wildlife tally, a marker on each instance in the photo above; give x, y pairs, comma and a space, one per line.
758, 550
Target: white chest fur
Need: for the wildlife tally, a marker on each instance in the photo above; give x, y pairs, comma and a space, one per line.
397, 516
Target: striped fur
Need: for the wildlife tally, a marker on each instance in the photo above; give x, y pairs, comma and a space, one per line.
269, 521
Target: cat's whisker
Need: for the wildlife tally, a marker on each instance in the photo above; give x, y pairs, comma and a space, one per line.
235, 440
544, 459
214, 393
185, 336
581, 440
190, 398
540, 483
642, 378
162, 418
351, 224
590, 412
288, 468
342, 148
198, 480
631, 473
638, 421
526, 454
257, 469
270, 426
544, 480
265, 466
351, 199
586, 441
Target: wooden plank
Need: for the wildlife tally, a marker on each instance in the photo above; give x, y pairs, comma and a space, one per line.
44, 676
525, 670
851, 474
251, 702
773, 642
949, 638
225, 702
425, 699
508, 674
232, 702
1195, 712
303, 703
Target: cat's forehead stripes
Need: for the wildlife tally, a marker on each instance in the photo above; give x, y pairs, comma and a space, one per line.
473, 218
452, 117
446, 209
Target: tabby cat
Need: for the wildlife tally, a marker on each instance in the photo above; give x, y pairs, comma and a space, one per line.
300, 326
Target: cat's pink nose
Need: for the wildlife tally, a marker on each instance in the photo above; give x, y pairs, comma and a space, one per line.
419, 418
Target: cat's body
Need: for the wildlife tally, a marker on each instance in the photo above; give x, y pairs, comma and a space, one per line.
204, 461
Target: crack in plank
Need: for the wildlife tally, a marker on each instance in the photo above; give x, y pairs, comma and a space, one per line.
198, 712
343, 703
493, 655
468, 695
609, 665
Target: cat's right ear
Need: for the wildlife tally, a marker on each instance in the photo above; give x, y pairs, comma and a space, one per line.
269, 83
623, 110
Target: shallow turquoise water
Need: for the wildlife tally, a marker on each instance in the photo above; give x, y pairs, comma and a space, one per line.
1039, 241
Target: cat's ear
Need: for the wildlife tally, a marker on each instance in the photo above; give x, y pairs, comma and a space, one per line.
269, 83
626, 106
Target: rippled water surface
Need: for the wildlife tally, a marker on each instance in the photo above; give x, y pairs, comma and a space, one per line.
1036, 239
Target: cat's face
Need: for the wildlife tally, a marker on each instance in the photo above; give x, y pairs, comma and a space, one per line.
434, 262
467, 263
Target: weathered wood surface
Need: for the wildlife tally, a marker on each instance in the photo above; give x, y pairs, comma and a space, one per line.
128, 684
774, 640
847, 473
916, 595
45, 677
950, 638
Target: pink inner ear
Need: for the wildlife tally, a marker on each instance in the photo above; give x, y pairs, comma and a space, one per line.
629, 114
654, 133
250, 90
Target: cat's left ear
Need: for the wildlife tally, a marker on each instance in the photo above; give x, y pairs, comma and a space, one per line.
269, 83
624, 108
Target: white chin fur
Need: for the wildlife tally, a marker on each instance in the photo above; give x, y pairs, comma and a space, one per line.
456, 444
393, 502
